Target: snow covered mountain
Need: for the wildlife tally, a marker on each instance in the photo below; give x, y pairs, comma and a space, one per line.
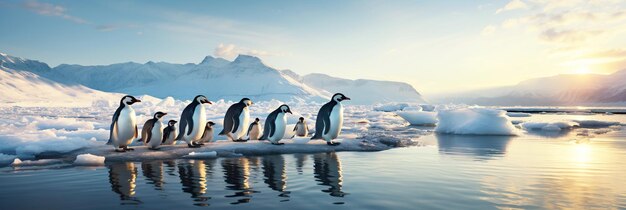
216, 78
20, 85
559, 90
246, 76
362, 91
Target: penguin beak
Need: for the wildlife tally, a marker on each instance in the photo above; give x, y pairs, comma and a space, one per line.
164, 114
345, 98
136, 100
206, 101
289, 111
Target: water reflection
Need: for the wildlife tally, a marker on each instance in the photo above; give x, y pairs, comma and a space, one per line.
153, 171
327, 170
481, 147
236, 174
300, 161
122, 177
192, 175
274, 172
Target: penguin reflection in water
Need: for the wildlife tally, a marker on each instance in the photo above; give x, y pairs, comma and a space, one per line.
124, 125
276, 124
152, 131
236, 120
193, 121
330, 120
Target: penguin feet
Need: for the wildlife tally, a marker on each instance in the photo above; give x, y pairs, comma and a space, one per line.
200, 143
193, 145
277, 143
330, 143
117, 150
128, 149
155, 149
240, 140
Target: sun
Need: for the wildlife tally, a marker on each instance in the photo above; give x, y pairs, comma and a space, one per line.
582, 70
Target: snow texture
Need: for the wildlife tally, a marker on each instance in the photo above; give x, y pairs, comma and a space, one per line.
89, 160
419, 117
475, 121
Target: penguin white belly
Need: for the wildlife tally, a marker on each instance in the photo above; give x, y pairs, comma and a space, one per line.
157, 134
255, 132
199, 122
301, 130
336, 122
244, 122
126, 123
170, 139
208, 137
279, 128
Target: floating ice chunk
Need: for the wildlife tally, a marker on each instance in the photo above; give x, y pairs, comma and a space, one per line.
595, 123
548, 126
419, 117
475, 121
41, 162
518, 114
390, 107
201, 155
89, 160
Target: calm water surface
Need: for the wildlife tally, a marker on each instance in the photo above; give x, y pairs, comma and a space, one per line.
562, 170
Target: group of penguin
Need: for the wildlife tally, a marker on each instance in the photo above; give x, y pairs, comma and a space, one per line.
195, 130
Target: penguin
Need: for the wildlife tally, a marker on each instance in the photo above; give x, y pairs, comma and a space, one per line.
123, 125
169, 133
236, 120
207, 136
301, 128
152, 131
254, 130
330, 119
275, 125
192, 121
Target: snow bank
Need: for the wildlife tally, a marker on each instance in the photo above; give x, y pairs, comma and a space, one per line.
419, 117
595, 123
548, 126
61, 123
201, 155
518, 114
475, 121
89, 160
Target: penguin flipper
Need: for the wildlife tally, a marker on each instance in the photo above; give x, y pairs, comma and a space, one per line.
146, 131
116, 115
249, 129
136, 133
166, 133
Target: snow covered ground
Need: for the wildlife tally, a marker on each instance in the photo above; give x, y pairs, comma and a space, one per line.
31, 133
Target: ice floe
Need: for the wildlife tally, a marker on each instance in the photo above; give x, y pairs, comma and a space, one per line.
89, 160
475, 121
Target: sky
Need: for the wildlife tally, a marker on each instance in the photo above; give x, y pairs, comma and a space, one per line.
436, 46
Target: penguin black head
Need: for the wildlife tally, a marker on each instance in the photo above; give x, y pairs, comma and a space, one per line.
202, 99
285, 109
301, 119
158, 115
172, 122
246, 101
129, 100
257, 119
338, 97
210, 123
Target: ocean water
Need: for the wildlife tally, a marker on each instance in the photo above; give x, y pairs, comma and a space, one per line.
578, 169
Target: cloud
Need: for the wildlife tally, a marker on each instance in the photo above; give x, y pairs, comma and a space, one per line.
568, 36
47, 9
230, 51
490, 29
512, 5
113, 27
